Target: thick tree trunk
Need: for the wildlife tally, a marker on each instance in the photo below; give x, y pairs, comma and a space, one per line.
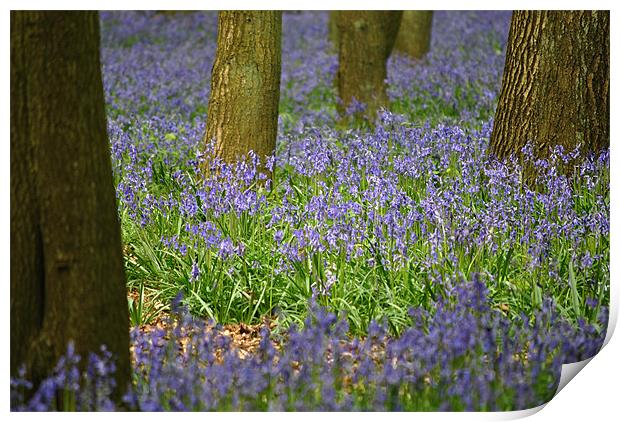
366, 41
67, 274
555, 89
414, 35
245, 85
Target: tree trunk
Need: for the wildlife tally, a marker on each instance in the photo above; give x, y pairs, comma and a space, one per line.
245, 86
67, 273
366, 41
332, 26
414, 35
555, 88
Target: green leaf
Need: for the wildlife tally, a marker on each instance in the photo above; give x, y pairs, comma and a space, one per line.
573, 288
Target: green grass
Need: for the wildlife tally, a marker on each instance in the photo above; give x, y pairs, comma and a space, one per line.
246, 288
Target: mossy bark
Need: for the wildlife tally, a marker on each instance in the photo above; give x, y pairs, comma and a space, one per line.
555, 88
245, 86
67, 272
366, 39
414, 35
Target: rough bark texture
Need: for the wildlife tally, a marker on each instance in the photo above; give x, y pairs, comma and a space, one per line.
366, 41
67, 274
555, 88
414, 35
245, 85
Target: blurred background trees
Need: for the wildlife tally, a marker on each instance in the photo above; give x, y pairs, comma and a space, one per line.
366, 39
414, 35
555, 88
245, 85
67, 271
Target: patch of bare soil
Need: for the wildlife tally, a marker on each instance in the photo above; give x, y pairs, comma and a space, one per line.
244, 338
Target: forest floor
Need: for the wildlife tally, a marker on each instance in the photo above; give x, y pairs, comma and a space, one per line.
396, 259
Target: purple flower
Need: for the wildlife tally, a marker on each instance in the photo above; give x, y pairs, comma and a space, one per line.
195, 272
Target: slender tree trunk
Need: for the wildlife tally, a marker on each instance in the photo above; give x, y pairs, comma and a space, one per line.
366, 41
245, 85
555, 89
67, 273
414, 35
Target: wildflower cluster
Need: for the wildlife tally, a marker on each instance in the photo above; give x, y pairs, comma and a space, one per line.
68, 388
378, 217
465, 355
